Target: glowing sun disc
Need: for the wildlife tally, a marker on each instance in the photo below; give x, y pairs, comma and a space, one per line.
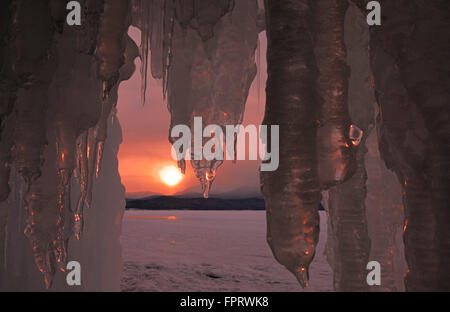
170, 175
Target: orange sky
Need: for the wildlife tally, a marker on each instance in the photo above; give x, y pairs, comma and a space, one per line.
145, 149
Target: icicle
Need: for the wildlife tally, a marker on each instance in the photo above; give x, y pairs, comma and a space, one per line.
8, 86
168, 28
182, 165
3, 242
99, 157
96, 137
41, 246
146, 31
385, 217
35, 65
258, 77
336, 154
413, 133
113, 26
65, 161
235, 148
91, 156
6, 144
348, 238
205, 171
90, 144
83, 179
98, 140
209, 66
292, 192
63, 201
157, 36
100, 134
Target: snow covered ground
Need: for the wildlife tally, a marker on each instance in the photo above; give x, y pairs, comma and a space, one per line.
208, 251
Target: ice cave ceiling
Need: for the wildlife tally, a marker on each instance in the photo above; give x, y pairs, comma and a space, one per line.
358, 108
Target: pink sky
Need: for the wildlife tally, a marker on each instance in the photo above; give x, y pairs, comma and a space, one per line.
145, 149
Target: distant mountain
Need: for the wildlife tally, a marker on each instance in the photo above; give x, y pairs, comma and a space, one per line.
242, 192
195, 192
183, 203
197, 203
138, 195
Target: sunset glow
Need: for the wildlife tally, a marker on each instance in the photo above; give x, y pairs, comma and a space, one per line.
170, 175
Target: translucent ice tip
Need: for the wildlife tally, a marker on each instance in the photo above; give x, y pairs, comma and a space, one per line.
48, 280
302, 275
206, 188
355, 135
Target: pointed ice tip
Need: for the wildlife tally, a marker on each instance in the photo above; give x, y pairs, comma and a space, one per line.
182, 166
206, 188
48, 279
206, 192
302, 275
355, 135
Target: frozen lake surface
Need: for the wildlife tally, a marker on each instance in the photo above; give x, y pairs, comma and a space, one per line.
208, 251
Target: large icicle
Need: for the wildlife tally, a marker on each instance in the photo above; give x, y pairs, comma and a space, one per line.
8, 88
210, 65
39, 120
34, 66
61, 82
145, 10
110, 50
65, 160
71, 114
385, 216
6, 143
96, 135
369, 203
317, 140
114, 22
292, 192
116, 64
410, 63
335, 149
348, 240
149, 17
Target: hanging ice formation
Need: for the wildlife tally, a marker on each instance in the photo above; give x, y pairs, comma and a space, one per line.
317, 140
58, 91
307, 97
365, 212
45, 64
410, 64
205, 53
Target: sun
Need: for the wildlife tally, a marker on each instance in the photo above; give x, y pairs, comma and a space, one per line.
170, 175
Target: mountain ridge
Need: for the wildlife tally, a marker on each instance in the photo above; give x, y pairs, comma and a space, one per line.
162, 202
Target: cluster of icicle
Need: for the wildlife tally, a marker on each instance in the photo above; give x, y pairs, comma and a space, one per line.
205, 53
307, 95
58, 87
410, 63
365, 212
307, 92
